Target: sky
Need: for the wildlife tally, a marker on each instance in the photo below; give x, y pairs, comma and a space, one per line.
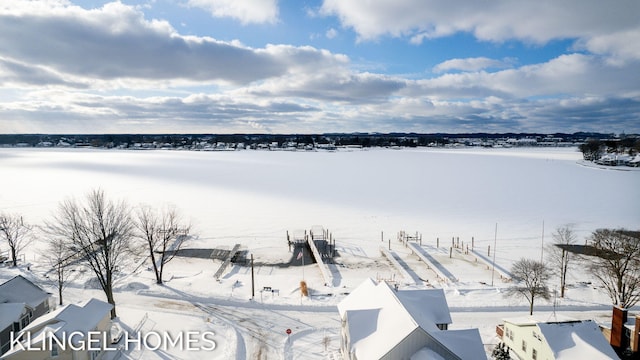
319, 66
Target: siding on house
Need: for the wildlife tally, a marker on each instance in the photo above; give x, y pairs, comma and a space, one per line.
21, 301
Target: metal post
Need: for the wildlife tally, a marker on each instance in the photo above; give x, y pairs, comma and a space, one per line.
542, 245
495, 240
253, 289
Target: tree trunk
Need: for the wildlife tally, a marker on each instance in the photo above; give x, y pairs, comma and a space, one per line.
161, 268
60, 293
156, 271
531, 306
111, 300
60, 271
13, 256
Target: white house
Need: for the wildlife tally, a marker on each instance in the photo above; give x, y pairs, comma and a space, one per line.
50, 336
561, 339
379, 322
21, 301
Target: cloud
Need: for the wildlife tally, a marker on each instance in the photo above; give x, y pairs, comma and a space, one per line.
331, 33
536, 22
566, 75
68, 69
117, 42
469, 64
13, 73
622, 46
246, 11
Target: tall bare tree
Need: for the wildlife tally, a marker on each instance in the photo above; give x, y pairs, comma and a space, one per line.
162, 232
99, 230
59, 256
15, 231
532, 276
559, 256
616, 264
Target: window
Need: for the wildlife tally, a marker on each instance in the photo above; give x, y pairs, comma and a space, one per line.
509, 333
54, 349
24, 321
93, 354
534, 354
524, 346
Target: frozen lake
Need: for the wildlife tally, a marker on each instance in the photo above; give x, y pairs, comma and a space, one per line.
254, 197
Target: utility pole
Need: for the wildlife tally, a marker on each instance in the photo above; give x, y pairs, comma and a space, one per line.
542, 245
253, 288
495, 240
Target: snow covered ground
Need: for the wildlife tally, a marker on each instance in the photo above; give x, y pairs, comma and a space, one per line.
363, 197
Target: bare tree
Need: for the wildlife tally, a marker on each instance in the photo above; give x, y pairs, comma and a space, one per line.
99, 230
533, 276
163, 233
59, 256
616, 264
559, 256
15, 232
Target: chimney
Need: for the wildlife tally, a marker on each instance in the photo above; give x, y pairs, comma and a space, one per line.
618, 320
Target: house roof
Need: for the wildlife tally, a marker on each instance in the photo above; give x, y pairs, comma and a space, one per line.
10, 313
532, 320
576, 340
465, 343
379, 318
376, 320
427, 307
21, 290
65, 320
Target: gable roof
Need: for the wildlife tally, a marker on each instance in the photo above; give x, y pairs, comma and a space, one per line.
65, 320
464, 343
10, 313
21, 290
427, 307
576, 340
376, 320
379, 318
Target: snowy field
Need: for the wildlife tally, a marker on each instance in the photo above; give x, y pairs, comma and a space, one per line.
363, 197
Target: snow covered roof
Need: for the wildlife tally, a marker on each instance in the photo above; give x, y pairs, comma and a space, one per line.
378, 318
532, 320
427, 307
10, 313
67, 319
21, 290
465, 343
576, 340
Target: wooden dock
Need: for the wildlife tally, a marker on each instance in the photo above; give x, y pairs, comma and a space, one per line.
226, 261
432, 263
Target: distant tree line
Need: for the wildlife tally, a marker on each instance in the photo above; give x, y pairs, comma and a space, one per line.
594, 148
337, 139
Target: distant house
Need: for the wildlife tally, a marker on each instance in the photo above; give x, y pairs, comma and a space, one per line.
379, 322
21, 301
561, 339
37, 338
